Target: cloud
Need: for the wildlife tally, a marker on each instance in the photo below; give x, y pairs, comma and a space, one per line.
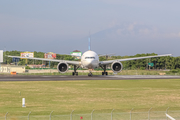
172, 35
113, 23
136, 31
131, 27
144, 31
119, 31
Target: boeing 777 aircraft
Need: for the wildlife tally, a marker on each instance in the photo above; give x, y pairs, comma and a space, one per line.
90, 60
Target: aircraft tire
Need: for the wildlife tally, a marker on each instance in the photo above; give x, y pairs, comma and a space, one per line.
76, 73
90, 74
73, 73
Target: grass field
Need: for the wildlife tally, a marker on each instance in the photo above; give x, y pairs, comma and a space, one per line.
83, 96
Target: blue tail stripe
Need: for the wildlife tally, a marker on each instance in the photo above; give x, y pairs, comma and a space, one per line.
89, 44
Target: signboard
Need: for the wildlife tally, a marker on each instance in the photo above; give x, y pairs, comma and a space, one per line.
151, 64
27, 54
1, 56
50, 55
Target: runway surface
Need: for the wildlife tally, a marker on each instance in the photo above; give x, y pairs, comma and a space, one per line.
72, 78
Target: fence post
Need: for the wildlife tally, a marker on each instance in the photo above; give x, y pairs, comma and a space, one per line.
112, 114
29, 114
167, 113
6, 115
130, 113
92, 114
71, 115
149, 113
50, 115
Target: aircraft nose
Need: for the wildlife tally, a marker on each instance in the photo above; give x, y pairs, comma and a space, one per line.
91, 63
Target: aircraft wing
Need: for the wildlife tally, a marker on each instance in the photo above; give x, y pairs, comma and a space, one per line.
107, 55
127, 59
72, 55
53, 60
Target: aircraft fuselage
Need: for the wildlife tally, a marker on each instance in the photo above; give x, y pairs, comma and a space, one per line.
90, 60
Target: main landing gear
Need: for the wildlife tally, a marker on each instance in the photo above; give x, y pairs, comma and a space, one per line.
75, 73
104, 68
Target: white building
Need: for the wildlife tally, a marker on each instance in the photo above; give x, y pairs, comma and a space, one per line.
9, 69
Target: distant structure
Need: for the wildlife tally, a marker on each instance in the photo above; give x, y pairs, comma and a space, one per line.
37, 66
12, 68
26, 54
1, 56
50, 55
77, 53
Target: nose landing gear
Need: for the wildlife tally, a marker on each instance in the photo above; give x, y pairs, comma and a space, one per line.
90, 74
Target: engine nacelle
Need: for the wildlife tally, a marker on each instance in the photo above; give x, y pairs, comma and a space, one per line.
116, 66
62, 67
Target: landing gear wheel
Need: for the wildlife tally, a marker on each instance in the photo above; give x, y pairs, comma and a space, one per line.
76, 73
90, 74
104, 73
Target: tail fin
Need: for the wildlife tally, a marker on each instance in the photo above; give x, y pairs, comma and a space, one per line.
89, 43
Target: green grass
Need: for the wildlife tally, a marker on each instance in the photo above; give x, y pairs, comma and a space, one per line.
62, 97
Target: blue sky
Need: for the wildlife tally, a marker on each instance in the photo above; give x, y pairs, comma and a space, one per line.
123, 27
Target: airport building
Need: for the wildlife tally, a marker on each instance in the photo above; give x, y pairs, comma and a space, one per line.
9, 69
77, 53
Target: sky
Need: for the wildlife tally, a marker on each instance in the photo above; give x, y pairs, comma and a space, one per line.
122, 27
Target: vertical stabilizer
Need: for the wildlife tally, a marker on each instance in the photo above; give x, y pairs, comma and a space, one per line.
89, 43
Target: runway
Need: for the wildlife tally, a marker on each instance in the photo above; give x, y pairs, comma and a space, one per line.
73, 78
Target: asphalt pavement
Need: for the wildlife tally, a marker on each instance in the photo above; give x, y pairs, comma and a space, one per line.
72, 78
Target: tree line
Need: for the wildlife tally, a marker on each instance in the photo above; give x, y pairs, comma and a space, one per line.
168, 62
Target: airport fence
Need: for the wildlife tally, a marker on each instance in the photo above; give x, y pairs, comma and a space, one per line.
112, 115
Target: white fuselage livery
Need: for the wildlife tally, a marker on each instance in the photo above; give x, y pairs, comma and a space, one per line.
90, 60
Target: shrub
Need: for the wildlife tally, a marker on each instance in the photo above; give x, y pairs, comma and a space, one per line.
27, 67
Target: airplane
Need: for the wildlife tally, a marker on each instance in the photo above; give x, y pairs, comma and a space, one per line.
90, 60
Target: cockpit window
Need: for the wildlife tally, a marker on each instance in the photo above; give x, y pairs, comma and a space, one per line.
89, 57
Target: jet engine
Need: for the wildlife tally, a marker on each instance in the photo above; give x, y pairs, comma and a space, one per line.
116, 66
62, 67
